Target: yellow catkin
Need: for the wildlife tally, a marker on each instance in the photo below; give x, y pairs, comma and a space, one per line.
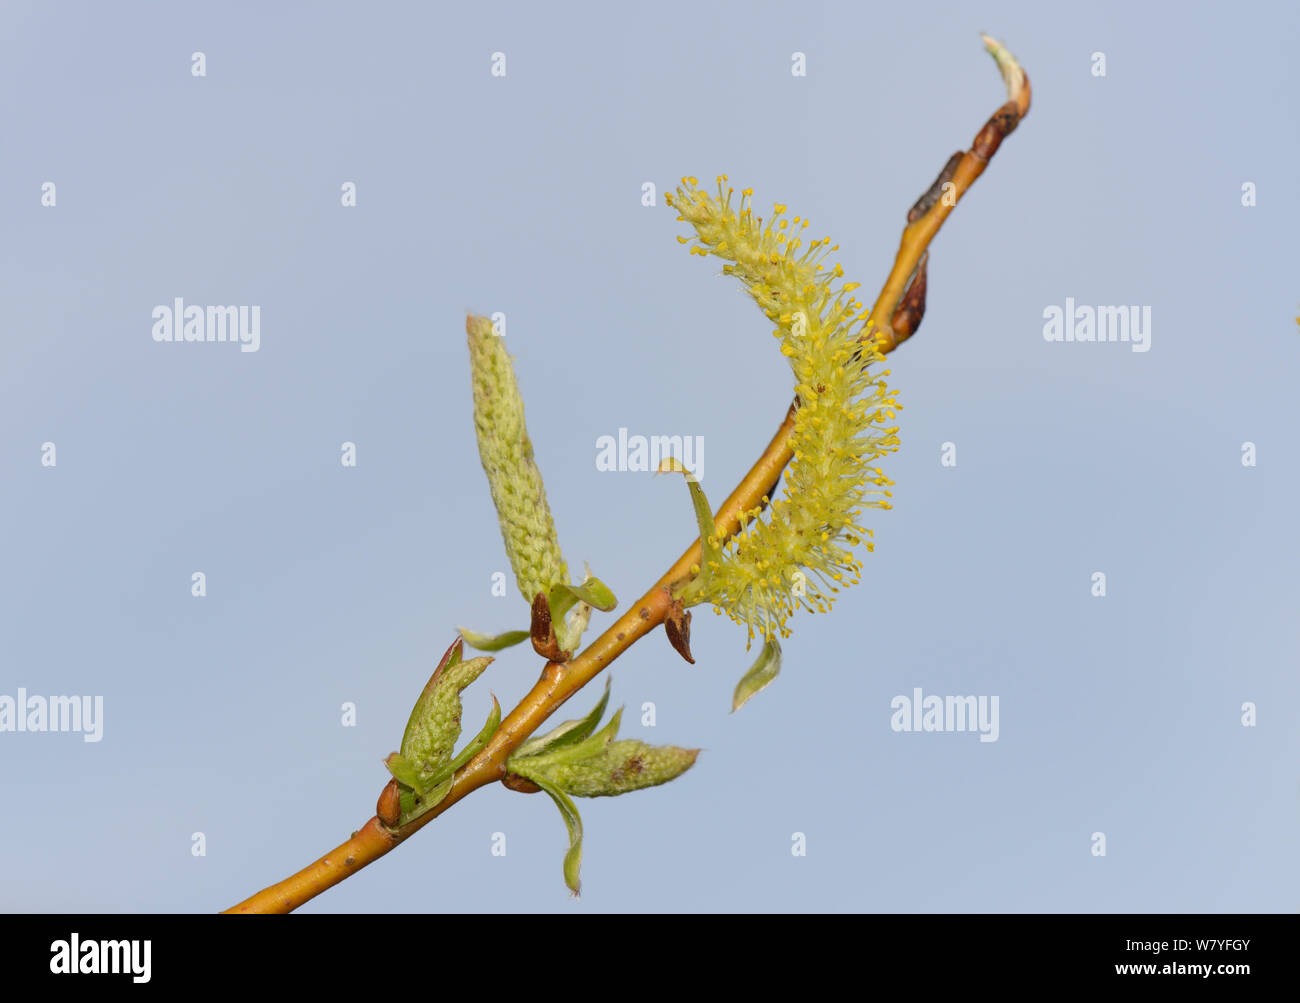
799, 551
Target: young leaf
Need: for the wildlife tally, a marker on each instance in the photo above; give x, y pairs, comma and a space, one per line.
581, 599
480, 740
709, 546
568, 733
760, 674
573, 821
414, 805
404, 771
585, 749
593, 592
493, 642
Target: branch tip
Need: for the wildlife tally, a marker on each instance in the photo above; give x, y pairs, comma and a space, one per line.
1013, 74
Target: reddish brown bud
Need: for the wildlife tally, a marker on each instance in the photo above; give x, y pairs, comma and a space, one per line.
677, 625
542, 631
911, 308
521, 784
389, 808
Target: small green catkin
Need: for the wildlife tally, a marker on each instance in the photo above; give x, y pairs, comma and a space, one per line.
619, 768
507, 454
434, 727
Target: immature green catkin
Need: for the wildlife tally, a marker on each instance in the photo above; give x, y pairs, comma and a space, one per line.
507, 454
798, 551
619, 768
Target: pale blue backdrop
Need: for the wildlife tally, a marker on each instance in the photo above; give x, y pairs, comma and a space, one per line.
522, 194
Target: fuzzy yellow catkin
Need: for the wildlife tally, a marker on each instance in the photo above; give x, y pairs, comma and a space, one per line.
507, 454
798, 551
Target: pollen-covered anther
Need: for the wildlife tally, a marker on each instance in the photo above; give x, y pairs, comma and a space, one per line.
837, 427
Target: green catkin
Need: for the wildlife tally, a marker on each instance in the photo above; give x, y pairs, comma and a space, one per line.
434, 725
507, 454
798, 552
619, 768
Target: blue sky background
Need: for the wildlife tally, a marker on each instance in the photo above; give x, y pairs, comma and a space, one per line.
522, 194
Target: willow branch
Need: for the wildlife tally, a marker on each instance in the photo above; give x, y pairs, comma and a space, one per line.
932, 208
902, 300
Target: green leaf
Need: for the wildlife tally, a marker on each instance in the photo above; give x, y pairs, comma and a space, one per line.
493, 642
413, 805
404, 771
573, 821
581, 600
595, 594
560, 600
592, 591
585, 749
480, 740
760, 674
709, 546
569, 733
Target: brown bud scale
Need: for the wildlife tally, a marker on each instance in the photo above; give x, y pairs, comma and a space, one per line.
389, 808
